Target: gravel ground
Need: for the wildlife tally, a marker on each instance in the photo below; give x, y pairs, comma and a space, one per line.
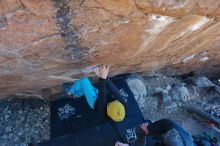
154, 109
23, 121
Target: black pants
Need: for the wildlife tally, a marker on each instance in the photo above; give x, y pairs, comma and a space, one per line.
161, 127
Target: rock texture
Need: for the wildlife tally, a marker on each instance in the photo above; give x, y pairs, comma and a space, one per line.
24, 121
44, 43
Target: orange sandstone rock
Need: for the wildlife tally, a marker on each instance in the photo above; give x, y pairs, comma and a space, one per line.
44, 43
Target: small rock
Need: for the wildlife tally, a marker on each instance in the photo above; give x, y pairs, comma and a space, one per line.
179, 93
160, 90
168, 87
203, 82
16, 138
8, 129
137, 86
171, 107
166, 99
20, 112
163, 90
19, 133
4, 136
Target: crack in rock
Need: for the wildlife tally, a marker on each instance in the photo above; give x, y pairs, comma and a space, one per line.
63, 19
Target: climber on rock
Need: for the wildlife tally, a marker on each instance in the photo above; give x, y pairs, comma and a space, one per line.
97, 98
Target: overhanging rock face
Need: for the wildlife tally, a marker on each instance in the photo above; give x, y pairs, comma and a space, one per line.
43, 43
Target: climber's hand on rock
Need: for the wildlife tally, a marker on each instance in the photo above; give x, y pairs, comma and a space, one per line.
102, 71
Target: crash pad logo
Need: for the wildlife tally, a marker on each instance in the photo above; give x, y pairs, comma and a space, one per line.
131, 135
66, 111
124, 94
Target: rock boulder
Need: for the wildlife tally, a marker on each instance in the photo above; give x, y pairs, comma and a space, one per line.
44, 43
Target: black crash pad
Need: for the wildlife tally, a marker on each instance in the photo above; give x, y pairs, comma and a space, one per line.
72, 115
101, 135
134, 116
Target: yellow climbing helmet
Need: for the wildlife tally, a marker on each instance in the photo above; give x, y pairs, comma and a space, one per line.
116, 111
